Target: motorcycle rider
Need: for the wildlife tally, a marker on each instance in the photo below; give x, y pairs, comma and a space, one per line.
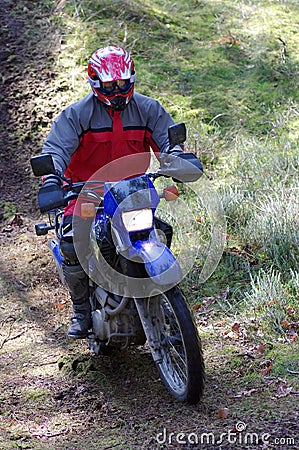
109, 123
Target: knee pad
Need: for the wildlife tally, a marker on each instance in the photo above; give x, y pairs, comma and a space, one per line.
68, 251
77, 282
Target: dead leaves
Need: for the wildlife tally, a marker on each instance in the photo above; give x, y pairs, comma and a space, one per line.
197, 307
261, 348
236, 327
256, 358
16, 222
236, 332
60, 305
208, 304
291, 327
280, 387
247, 393
227, 40
283, 390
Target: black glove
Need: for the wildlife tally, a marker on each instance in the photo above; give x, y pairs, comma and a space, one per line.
51, 195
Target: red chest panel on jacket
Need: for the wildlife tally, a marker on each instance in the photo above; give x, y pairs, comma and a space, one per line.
99, 147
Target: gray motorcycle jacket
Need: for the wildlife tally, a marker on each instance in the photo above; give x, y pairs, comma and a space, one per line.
87, 135
88, 138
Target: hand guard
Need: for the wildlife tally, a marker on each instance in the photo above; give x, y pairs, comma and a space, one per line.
184, 167
51, 195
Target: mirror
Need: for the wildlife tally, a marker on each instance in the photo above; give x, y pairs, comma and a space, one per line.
177, 134
42, 165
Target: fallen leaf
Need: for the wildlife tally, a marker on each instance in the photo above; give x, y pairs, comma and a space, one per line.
260, 348
222, 413
266, 370
59, 306
247, 393
197, 307
229, 335
290, 311
236, 327
17, 221
220, 322
283, 390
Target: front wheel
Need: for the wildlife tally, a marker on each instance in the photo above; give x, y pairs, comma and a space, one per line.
182, 365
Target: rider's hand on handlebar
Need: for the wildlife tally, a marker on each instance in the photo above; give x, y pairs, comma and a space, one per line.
52, 180
181, 166
51, 194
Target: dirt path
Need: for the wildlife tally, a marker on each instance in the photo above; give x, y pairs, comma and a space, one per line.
53, 394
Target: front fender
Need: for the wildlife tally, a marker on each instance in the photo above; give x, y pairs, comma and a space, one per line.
160, 264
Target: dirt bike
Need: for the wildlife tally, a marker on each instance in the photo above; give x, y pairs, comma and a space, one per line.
133, 275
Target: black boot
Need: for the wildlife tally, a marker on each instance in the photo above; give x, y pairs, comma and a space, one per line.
77, 282
80, 321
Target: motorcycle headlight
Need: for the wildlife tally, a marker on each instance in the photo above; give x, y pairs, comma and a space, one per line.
141, 219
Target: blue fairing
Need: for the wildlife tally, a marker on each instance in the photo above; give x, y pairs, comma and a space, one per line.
127, 195
159, 262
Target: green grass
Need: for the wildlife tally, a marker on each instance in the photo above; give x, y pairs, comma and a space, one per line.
221, 64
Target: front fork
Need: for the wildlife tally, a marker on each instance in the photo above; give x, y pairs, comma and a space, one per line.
152, 319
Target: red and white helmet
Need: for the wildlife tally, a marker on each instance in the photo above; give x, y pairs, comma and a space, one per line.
111, 75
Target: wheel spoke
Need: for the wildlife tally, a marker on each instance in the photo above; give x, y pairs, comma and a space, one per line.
180, 370
177, 353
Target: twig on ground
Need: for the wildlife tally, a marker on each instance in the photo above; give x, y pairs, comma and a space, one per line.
9, 337
48, 434
293, 372
111, 446
48, 363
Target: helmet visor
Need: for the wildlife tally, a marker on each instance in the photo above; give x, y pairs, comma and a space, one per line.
110, 88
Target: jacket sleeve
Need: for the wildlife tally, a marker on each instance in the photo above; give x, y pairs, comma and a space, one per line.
158, 122
64, 137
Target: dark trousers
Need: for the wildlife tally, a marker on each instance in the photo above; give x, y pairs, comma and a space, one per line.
75, 276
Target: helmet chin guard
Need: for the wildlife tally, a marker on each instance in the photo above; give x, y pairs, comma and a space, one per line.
119, 103
106, 68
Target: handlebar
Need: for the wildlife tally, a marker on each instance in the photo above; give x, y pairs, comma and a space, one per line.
74, 189
51, 198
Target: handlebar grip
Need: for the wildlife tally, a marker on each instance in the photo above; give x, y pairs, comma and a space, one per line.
51, 197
